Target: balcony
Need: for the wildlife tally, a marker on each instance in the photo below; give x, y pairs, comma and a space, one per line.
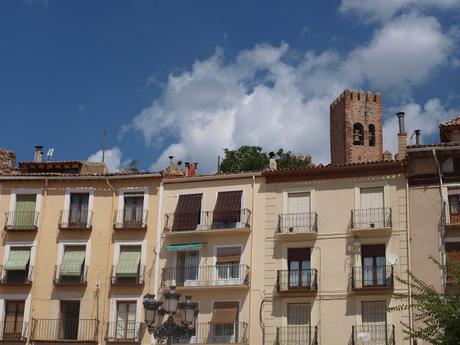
130, 219
64, 330
125, 332
16, 277
296, 335
75, 220
297, 225
13, 332
209, 222
297, 281
371, 222
373, 278
217, 333
68, 279
224, 275
128, 279
373, 334
21, 221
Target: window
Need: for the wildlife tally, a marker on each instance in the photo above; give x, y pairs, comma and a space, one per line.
373, 265
128, 267
188, 212
358, 134
372, 212
228, 263
374, 322
371, 135
454, 205
24, 214
452, 258
126, 320
17, 266
72, 264
298, 215
133, 208
227, 212
78, 210
298, 314
224, 322
187, 267
299, 268
69, 321
14, 319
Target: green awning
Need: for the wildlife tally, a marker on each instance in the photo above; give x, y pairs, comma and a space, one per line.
188, 246
128, 263
18, 260
72, 261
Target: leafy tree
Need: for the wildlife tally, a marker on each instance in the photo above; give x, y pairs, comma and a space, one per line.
287, 160
132, 166
437, 315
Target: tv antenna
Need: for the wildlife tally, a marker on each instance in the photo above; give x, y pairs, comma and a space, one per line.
104, 136
49, 154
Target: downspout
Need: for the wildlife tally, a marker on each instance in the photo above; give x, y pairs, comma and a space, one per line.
261, 318
158, 242
252, 247
409, 262
440, 239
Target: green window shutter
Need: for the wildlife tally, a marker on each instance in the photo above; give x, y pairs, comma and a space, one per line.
128, 262
24, 214
18, 259
72, 261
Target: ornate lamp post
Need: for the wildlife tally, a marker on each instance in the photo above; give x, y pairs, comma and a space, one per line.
156, 311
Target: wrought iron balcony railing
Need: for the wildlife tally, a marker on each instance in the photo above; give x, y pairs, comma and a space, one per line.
66, 279
298, 223
75, 219
68, 330
13, 331
296, 335
128, 279
371, 218
16, 277
297, 280
130, 218
373, 334
372, 277
21, 220
208, 220
205, 276
217, 333
125, 332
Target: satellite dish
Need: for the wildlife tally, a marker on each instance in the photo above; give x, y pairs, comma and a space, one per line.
392, 259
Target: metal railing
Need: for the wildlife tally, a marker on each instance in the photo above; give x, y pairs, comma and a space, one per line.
370, 218
298, 222
217, 275
217, 333
372, 277
16, 277
13, 331
297, 280
125, 332
130, 218
21, 220
208, 220
60, 279
297, 335
75, 219
128, 279
373, 334
68, 330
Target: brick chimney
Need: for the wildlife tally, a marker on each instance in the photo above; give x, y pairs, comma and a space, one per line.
402, 137
38, 153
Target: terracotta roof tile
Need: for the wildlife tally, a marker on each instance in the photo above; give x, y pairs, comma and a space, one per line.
451, 122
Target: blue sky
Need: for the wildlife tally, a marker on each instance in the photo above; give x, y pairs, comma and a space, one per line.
190, 78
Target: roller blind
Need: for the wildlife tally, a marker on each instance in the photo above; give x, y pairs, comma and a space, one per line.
18, 259
128, 262
188, 212
228, 207
225, 312
228, 254
72, 261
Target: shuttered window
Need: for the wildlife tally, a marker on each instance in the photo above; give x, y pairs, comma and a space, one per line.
298, 314
72, 261
225, 312
228, 208
452, 257
18, 259
188, 212
374, 312
24, 215
129, 260
228, 255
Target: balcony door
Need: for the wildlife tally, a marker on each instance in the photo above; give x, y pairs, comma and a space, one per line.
188, 213
126, 320
14, 318
187, 268
24, 215
454, 206
227, 212
133, 208
229, 270
374, 265
298, 321
299, 268
224, 323
298, 212
372, 208
78, 212
70, 315
374, 323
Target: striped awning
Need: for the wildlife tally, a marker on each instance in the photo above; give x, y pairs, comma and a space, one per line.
72, 261
128, 263
18, 259
187, 246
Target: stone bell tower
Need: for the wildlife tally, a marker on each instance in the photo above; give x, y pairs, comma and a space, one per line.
356, 127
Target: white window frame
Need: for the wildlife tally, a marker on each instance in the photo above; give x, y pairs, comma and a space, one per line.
22, 191
235, 281
118, 244
445, 197
70, 243
69, 191
310, 190
31, 244
27, 298
200, 264
368, 185
239, 311
114, 299
121, 199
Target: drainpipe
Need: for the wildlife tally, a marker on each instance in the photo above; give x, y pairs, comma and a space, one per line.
252, 249
440, 239
158, 242
409, 262
261, 317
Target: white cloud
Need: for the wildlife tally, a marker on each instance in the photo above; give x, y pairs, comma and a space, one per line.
263, 98
383, 10
426, 118
112, 158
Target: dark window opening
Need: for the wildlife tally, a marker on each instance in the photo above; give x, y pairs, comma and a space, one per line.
358, 134
371, 135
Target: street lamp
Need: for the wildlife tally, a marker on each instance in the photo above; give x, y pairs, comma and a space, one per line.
156, 311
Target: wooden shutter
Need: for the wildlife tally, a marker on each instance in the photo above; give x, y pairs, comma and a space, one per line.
228, 207
188, 212
371, 198
228, 254
225, 312
298, 203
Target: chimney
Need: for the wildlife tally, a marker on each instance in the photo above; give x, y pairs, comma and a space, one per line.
191, 169
38, 153
402, 137
170, 161
272, 165
417, 136
387, 156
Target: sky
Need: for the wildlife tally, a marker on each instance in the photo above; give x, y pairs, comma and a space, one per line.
190, 78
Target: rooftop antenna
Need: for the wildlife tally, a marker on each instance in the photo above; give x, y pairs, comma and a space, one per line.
104, 136
49, 154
